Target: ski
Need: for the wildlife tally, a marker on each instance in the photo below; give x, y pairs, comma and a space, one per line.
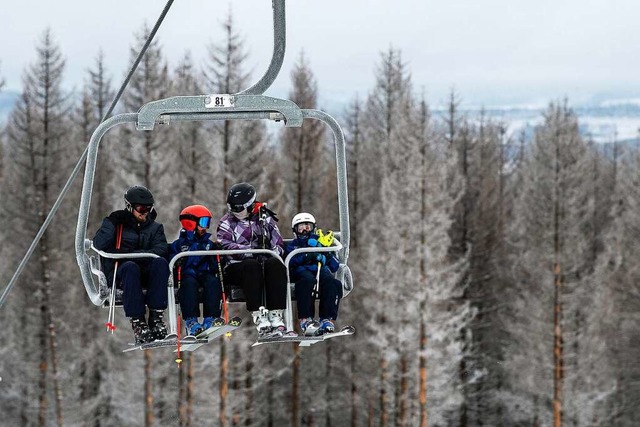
345, 331
210, 334
167, 342
303, 340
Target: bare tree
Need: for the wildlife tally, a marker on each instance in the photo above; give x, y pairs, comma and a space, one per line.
37, 134
142, 158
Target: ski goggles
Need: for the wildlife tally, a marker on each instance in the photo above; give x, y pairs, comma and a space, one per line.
305, 226
204, 221
239, 208
142, 209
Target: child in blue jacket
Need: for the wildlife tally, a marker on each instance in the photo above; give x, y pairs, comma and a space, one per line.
197, 271
304, 272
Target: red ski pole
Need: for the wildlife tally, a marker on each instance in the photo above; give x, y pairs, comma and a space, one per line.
111, 322
178, 359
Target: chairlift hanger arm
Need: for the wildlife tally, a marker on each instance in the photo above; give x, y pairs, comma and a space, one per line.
279, 46
149, 114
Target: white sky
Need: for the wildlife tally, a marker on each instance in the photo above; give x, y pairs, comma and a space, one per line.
491, 51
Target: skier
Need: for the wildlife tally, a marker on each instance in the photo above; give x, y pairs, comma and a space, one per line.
134, 229
197, 271
250, 225
303, 268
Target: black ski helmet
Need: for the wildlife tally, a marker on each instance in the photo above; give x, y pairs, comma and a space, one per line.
138, 195
241, 196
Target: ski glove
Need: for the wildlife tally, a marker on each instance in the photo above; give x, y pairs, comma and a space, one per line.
313, 243
316, 258
119, 217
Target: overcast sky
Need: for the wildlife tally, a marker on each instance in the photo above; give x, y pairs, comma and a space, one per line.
490, 51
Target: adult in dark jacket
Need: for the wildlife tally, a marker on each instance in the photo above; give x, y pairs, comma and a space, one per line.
303, 268
134, 230
197, 271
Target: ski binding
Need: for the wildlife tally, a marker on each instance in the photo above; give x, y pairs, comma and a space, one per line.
210, 334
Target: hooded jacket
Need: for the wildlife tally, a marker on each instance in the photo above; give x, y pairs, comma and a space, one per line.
194, 265
308, 261
234, 233
147, 236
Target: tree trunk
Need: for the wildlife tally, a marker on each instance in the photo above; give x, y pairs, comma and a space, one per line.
249, 392
327, 381
404, 387
354, 392
53, 350
148, 395
182, 401
370, 414
270, 391
295, 404
423, 370
384, 416
558, 375
558, 360
224, 386
189, 393
236, 413
42, 382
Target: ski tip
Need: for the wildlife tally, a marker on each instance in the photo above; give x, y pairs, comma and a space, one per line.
348, 330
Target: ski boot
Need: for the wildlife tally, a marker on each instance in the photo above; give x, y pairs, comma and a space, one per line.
209, 322
261, 320
156, 324
141, 330
309, 327
327, 326
193, 327
277, 322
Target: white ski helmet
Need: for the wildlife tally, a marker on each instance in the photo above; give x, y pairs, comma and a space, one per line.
300, 218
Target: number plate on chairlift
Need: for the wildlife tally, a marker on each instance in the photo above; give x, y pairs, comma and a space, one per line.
218, 101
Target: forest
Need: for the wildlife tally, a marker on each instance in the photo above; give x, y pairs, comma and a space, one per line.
495, 274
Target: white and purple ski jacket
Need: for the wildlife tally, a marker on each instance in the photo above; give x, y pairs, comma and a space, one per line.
234, 233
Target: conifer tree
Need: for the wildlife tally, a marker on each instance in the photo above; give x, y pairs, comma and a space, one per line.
550, 255
242, 154
38, 152
302, 148
142, 157
92, 106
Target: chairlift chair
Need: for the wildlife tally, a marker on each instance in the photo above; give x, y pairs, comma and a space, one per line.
246, 105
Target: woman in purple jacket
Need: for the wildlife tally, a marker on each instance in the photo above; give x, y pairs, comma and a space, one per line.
250, 225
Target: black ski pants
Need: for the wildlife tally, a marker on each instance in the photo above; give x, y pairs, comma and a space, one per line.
330, 290
211, 296
152, 275
264, 283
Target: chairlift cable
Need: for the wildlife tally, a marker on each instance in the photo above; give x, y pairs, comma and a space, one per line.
76, 169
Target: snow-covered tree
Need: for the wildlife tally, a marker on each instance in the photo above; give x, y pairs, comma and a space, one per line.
37, 154
549, 243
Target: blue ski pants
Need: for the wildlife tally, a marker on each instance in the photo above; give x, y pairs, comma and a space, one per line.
330, 293
151, 275
211, 296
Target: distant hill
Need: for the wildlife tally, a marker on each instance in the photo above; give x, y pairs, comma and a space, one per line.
608, 121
